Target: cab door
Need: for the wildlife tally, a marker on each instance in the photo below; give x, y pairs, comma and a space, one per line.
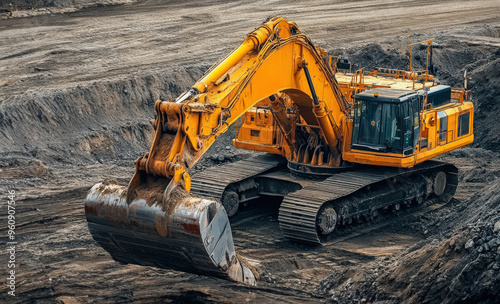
416, 108
406, 115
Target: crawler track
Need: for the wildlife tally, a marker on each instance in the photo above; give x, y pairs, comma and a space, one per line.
356, 196
359, 195
215, 180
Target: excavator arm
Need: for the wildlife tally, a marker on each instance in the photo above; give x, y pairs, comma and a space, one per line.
155, 221
274, 58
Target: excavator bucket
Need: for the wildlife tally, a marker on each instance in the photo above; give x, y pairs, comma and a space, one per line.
182, 232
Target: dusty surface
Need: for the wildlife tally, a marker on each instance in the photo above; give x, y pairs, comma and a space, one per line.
59, 260
76, 103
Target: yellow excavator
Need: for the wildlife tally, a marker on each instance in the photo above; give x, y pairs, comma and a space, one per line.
340, 147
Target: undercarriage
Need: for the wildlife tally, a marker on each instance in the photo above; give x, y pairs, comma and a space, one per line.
193, 234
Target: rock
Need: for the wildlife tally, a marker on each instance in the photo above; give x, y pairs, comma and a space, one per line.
496, 228
469, 244
486, 247
483, 234
480, 249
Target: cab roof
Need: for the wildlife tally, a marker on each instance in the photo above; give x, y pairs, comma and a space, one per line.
385, 95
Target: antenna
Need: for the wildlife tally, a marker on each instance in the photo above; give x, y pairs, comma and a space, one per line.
465, 79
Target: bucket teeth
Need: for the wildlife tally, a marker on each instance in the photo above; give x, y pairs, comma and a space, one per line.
184, 233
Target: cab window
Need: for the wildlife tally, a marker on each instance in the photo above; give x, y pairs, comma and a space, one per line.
377, 126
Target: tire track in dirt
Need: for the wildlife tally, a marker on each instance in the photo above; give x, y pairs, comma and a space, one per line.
102, 43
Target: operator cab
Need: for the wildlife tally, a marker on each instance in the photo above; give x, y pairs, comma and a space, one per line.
387, 120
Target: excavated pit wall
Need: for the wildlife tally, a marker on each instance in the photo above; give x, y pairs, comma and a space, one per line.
93, 122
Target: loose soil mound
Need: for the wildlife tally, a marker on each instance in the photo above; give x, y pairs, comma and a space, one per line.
460, 263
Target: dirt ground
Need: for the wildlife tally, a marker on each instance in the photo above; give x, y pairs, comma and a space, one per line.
76, 104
